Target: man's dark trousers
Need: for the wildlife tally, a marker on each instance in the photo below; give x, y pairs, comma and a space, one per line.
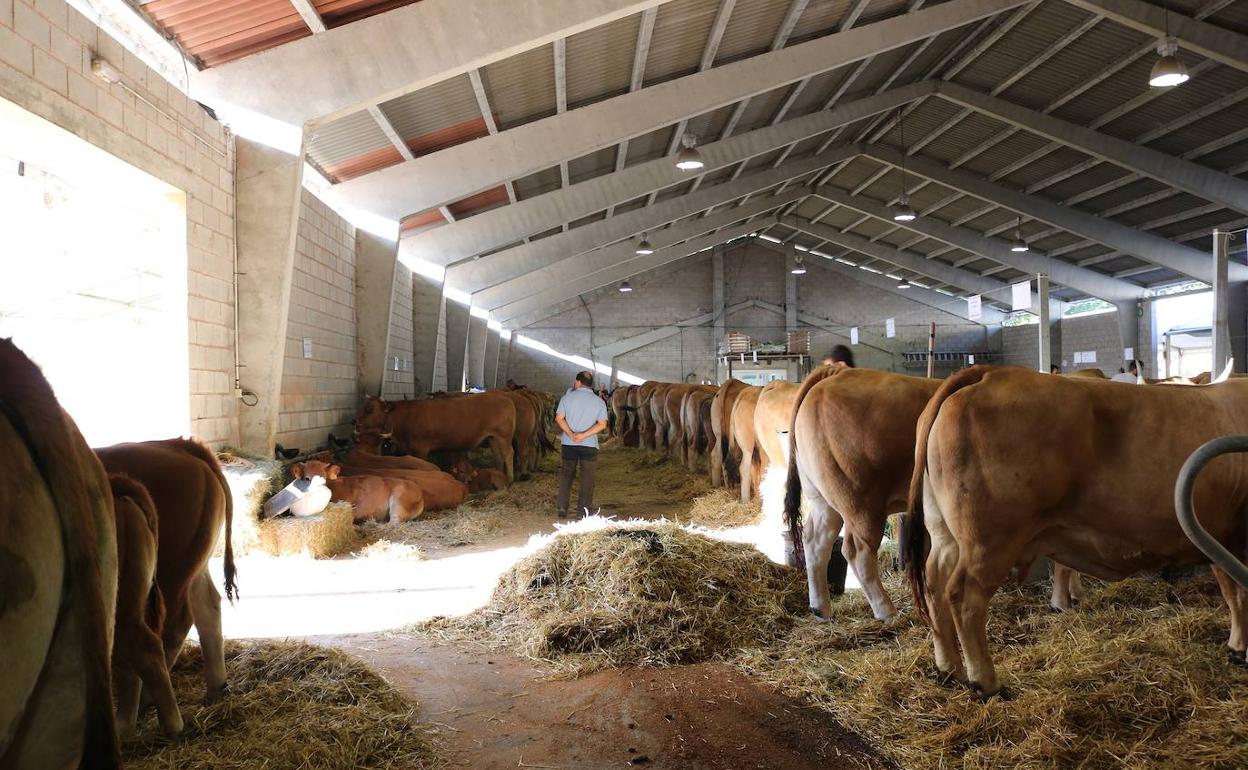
587, 458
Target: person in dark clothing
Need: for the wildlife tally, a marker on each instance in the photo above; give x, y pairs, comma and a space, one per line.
839, 356
581, 415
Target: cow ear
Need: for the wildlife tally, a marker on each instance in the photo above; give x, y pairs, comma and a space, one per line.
332, 472
296, 470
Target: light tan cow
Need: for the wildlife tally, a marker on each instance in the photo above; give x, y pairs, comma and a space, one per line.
692, 436
1017, 465
721, 427
746, 457
58, 583
138, 654
658, 414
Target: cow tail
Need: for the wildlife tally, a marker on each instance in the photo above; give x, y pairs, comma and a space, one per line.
793, 484
732, 471
913, 539
202, 452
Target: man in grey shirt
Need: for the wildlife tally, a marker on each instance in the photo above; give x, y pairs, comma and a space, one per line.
581, 415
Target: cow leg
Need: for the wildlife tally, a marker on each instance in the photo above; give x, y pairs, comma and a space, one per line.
206, 610
146, 658
940, 564
715, 464
1061, 598
504, 456
820, 527
971, 588
127, 686
177, 623
747, 473
862, 556
1237, 601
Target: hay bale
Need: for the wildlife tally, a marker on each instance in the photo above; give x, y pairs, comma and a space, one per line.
252, 480
721, 509
327, 534
601, 592
1110, 685
289, 705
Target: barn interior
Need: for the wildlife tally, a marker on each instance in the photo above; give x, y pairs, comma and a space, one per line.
235, 220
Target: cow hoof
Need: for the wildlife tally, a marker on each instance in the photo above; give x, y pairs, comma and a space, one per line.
820, 615
950, 679
984, 697
1238, 657
218, 694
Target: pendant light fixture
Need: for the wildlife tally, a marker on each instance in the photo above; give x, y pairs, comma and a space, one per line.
903, 284
798, 267
904, 212
643, 247
625, 287
1168, 70
1018, 244
689, 159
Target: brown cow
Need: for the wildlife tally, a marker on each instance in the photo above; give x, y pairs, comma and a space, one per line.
441, 490
478, 479
693, 407
772, 416
723, 473
619, 407
672, 403
741, 438
645, 417
632, 410
138, 654
193, 502
58, 581
367, 453
373, 498
658, 415
426, 425
1092, 486
524, 442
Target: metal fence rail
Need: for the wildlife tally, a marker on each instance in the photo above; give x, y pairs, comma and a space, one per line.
1187, 516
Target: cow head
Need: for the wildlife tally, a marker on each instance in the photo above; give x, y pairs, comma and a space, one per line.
314, 469
372, 413
375, 441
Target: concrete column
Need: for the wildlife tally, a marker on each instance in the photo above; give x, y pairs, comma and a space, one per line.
717, 295
1221, 296
504, 355
426, 327
491, 358
268, 190
1042, 290
790, 290
376, 260
1237, 317
1129, 325
613, 383
474, 363
457, 317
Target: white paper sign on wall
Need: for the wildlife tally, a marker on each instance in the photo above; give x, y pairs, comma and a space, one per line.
1085, 356
307, 347
974, 307
1021, 296
890, 327
853, 336
1128, 354
970, 359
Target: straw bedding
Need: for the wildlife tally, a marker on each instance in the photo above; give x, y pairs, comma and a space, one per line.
601, 593
721, 509
325, 535
252, 480
290, 705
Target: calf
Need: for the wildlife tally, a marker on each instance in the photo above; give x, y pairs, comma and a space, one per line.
138, 654
478, 479
441, 490
371, 497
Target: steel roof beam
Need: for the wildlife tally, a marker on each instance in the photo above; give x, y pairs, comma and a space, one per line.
1221, 45
1146, 246
508, 224
373, 60
551, 277
621, 270
472, 275
468, 168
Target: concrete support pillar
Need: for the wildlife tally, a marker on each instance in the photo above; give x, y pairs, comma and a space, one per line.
1046, 350
474, 364
426, 328
457, 317
613, 383
717, 296
1221, 297
790, 290
1129, 324
1237, 321
376, 259
504, 357
268, 191
491, 358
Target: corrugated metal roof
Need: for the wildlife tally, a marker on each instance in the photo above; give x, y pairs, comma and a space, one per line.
217, 31
680, 33
336, 13
592, 165
482, 201
521, 88
819, 18
751, 28
600, 61
351, 146
440, 116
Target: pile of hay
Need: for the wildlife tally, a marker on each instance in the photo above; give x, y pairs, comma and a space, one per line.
290, 705
252, 480
1137, 677
722, 509
327, 534
600, 593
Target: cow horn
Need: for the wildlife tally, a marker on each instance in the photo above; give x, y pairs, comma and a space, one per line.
1226, 372
387, 434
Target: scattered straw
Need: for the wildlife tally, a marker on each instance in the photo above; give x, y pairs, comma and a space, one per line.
252, 480
1127, 680
290, 705
634, 592
329, 533
722, 509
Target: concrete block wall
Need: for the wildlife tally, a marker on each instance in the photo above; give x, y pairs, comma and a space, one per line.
320, 393
1093, 332
45, 67
754, 273
400, 382
1020, 346
426, 303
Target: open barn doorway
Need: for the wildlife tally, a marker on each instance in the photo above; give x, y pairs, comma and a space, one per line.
1184, 334
94, 288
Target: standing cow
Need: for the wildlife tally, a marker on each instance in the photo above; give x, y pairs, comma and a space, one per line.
1091, 486
58, 583
426, 425
721, 427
